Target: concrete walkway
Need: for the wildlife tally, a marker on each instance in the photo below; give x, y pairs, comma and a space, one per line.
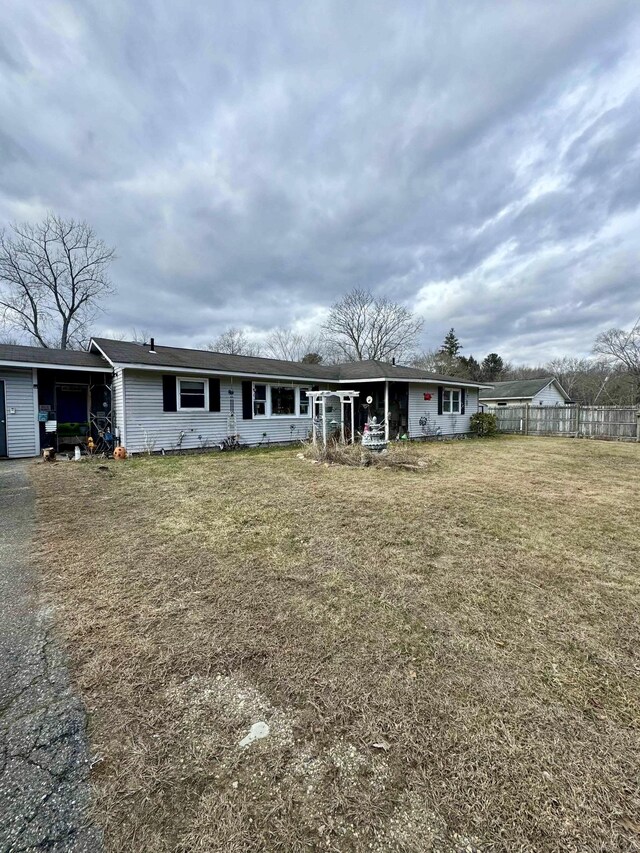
44, 763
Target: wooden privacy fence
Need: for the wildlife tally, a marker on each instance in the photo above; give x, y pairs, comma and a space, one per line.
618, 423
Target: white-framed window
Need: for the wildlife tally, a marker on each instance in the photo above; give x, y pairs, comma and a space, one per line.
451, 401
283, 401
304, 403
279, 401
259, 400
192, 394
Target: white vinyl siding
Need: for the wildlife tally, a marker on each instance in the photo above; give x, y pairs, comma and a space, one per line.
21, 415
424, 420
549, 396
148, 426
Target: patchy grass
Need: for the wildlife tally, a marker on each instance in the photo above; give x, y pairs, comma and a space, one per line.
447, 658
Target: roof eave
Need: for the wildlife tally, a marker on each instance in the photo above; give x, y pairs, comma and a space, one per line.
170, 368
49, 365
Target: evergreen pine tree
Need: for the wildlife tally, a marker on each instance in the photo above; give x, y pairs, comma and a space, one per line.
451, 346
492, 367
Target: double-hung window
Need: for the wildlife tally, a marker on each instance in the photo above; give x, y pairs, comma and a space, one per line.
259, 401
304, 403
193, 394
451, 401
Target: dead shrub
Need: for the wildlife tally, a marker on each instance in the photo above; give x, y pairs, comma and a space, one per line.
399, 455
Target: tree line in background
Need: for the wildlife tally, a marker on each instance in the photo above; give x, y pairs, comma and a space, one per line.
611, 377
54, 277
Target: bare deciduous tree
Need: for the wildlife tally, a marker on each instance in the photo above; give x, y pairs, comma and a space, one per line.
8, 339
234, 341
292, 346
362, 326
52, 278
621, 347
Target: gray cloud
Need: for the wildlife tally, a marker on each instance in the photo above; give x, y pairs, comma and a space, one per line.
251, 162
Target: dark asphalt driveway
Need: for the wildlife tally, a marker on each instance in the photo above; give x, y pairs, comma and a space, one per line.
44, 759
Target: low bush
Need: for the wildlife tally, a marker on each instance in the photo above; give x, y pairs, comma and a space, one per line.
483, 424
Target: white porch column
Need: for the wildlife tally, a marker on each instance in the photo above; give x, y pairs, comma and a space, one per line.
353, 421
386, 410
324, 421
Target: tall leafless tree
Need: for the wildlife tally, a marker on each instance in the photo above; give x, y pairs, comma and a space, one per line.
621, 347
8, 339
234, 341
53, 276
363, 326
293, 346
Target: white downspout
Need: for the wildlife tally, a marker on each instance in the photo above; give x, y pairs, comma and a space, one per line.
36, 406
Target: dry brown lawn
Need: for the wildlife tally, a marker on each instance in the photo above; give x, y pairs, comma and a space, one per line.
448, 658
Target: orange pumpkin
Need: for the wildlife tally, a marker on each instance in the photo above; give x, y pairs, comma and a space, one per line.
120, 453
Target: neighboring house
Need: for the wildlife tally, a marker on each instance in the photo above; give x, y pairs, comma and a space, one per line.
546, 391
154, 398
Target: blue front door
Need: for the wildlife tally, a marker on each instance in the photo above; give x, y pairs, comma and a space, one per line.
3, 422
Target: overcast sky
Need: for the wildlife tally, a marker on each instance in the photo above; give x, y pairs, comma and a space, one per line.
251, 162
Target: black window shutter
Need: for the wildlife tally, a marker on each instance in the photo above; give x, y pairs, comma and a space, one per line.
214, 394
440, 395
463, 400
169, 402
247, 400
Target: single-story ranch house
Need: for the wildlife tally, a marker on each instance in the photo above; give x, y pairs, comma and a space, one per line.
153, 398
520, 392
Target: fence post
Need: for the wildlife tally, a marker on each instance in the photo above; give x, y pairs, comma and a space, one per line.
637, 426
577, 419
526, 419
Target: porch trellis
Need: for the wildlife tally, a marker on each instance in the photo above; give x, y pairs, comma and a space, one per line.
319, 399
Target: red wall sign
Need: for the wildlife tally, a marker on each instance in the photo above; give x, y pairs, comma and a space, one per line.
427, 396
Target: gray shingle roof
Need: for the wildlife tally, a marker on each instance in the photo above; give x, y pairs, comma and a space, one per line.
385, 370
176, 358
126, 352
516, 388
53, 357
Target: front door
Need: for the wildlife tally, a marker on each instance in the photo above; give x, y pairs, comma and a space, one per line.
3, 422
